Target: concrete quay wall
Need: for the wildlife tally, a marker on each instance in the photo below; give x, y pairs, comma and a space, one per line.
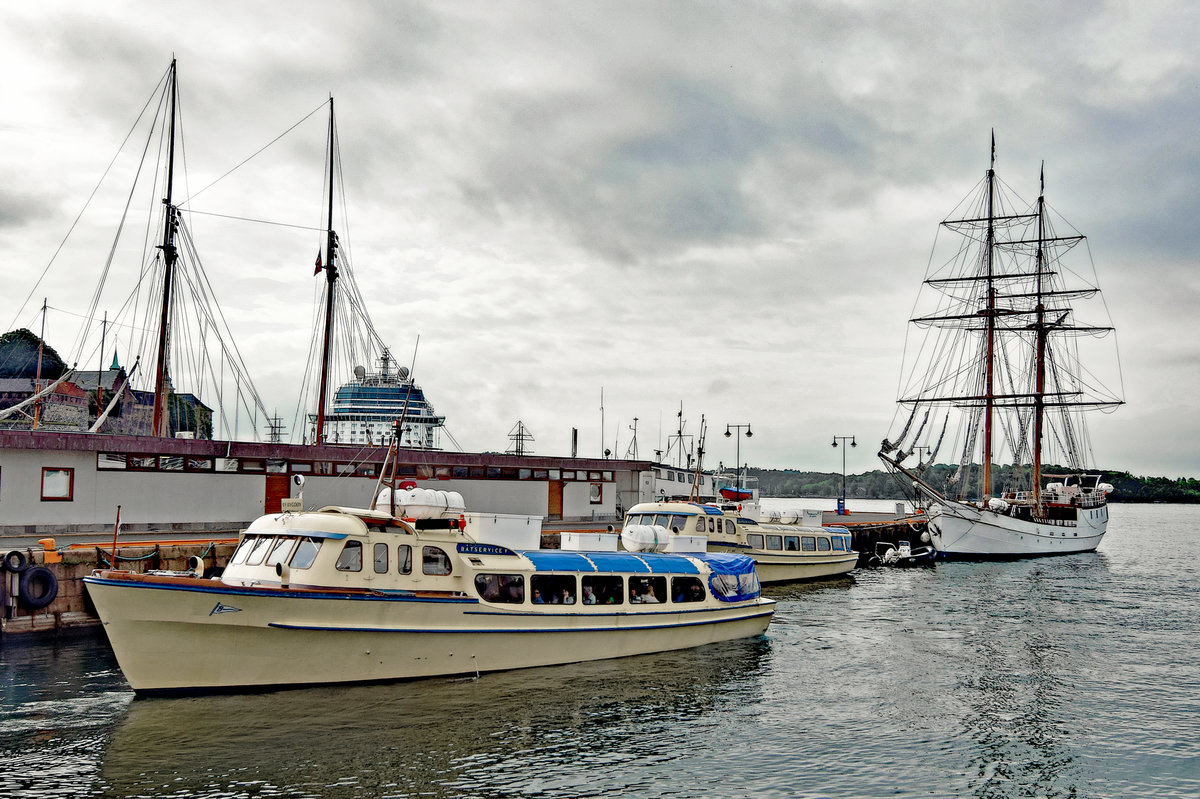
71, 606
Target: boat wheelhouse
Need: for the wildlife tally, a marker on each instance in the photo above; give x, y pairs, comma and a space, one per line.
781, 552
352, 595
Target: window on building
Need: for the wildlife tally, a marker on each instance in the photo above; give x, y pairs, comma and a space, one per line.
58, 485
110, 460
596, 493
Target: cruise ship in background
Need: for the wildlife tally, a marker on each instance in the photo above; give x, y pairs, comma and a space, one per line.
365, 410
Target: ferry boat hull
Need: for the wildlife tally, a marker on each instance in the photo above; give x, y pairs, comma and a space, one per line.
964, 533
775, 567
178, 634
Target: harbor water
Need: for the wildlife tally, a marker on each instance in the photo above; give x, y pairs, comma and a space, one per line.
1076, 676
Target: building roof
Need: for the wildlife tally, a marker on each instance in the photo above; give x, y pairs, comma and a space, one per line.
89, 380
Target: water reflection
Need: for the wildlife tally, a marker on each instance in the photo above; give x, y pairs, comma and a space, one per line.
534, 732
1016, 677
803, 590
58, 701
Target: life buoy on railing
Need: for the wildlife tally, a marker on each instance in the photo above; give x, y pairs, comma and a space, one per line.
39, 587
15, 561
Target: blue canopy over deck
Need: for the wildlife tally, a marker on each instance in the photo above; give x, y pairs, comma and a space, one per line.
545, 560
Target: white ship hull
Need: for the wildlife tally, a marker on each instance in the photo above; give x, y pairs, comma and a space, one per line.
961, 531
193, 635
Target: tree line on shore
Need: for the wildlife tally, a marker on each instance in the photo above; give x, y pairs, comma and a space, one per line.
879, 484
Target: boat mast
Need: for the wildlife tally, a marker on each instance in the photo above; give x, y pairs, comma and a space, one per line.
330, 287
37, 381
1042, 332
169, 257
990, 314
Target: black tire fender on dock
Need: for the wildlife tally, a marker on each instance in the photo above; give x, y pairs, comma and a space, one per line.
39, 587
15, 561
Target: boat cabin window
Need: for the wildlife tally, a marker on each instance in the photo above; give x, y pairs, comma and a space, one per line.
699, 524
435, 561
507, 588
687, 589
774, 542
822, 544
381, 558
791, 543
839, 543
243, 550
808, 543
259, 552
755, 540
404, 559
552, 589
281, 550
730, 527
306, 553
351, 558
603, 589
645, 590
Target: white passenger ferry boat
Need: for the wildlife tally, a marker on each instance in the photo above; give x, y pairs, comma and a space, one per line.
351, 595
781, 552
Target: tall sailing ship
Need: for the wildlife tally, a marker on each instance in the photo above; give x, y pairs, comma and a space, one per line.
1001, 372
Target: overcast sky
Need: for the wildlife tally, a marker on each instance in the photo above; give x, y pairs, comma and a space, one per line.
725, 205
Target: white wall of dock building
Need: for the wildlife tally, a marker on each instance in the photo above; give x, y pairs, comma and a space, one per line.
191, 500
484, 496
157, 498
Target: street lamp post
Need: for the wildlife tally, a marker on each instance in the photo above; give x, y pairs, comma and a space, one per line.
841, 509
738, 462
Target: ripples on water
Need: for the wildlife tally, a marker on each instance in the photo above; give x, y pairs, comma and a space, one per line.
1063, 677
